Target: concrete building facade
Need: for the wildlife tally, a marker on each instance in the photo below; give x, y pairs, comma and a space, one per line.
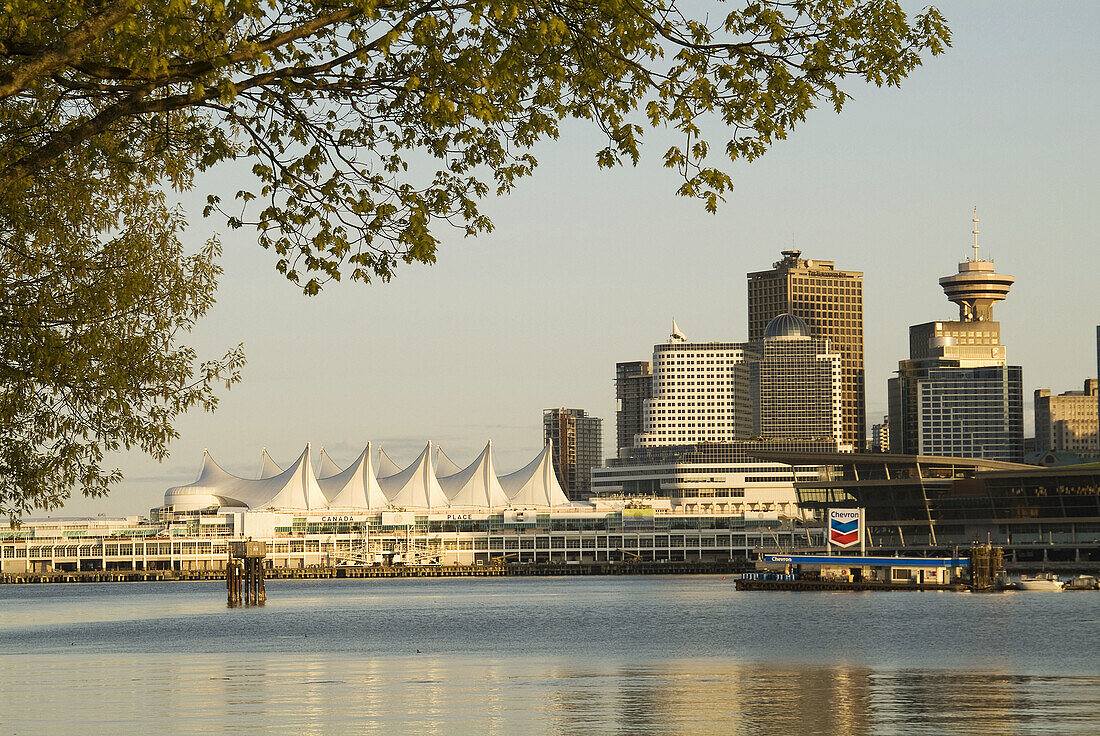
1068, 422
713, 405
694, 393
880, 435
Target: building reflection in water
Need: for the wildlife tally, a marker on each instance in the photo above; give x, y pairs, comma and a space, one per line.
727, 698
700, 697
315, 695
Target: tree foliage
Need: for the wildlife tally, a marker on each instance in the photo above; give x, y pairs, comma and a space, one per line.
365, 126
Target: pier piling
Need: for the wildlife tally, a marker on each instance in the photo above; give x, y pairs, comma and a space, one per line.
244, 573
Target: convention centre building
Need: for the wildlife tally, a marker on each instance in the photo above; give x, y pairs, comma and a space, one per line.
374, 512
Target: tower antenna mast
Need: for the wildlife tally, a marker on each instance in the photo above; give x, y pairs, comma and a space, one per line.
975, 221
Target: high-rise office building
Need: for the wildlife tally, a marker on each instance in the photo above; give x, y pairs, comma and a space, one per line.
793, 382
880, 435
577, 441
714, 405
786, 385
956, 394
947, 410
1068, 422
831, 303
633, 387
694, 397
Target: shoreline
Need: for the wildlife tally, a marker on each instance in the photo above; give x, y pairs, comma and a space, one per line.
393, 571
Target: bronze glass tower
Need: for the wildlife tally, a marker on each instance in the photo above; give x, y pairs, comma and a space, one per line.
831, 302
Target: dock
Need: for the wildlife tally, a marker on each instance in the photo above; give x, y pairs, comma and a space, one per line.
839, 585
392, 571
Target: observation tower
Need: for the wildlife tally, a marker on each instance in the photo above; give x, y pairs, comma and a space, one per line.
976, 287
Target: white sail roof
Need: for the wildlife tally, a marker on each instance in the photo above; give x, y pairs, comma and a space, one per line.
362, 486
386, 467
416, 486
326, 468
444, 465
536, 484
294, 488
356, 487
268, 467
213, 487
476, 486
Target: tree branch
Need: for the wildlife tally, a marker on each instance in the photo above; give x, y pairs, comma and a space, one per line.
66, 49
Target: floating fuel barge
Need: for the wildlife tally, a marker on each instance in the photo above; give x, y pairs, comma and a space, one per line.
982, 569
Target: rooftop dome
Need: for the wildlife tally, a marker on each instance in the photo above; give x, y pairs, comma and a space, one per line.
786, 327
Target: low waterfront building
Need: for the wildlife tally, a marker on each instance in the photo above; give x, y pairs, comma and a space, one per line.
931, 505
713, 477
607, 531
870, 569
431, 512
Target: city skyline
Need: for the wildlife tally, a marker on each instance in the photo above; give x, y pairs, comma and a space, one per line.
588, 268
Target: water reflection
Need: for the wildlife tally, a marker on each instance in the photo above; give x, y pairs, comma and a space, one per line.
712, 697
342, 657
448, 695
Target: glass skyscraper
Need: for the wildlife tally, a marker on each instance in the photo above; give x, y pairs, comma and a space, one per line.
633, 388
965, 412
794, 383
957, 395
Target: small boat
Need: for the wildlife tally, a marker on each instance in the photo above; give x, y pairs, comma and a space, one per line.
1047, 581
1082, 582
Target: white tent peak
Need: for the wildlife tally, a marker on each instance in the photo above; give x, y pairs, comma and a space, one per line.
535, 484
386, 466
268, 467
444, 465
211, 472
296, 487
416, 486
356, 487
326, 467
477, 485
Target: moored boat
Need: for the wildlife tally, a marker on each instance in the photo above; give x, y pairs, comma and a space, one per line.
1082, 582
1046, 581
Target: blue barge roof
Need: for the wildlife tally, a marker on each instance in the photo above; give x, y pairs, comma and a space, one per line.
868, 561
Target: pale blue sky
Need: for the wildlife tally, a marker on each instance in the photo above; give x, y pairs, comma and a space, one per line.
589, 267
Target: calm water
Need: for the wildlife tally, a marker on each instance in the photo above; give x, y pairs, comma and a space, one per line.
623, 655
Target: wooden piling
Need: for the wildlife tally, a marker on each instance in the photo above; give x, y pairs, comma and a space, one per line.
244, 573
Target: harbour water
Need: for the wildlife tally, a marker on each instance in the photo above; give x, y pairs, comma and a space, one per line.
591, 655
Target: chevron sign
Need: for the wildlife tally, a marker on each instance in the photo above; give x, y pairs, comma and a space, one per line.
844, 527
